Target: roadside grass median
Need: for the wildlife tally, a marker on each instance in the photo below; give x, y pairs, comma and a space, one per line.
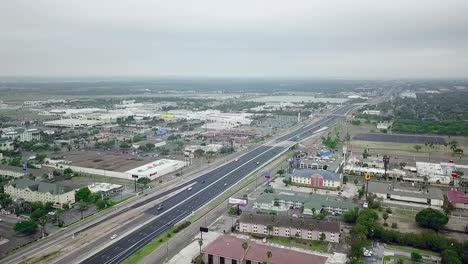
150, 247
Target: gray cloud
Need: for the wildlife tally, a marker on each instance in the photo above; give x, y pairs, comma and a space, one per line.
316, 39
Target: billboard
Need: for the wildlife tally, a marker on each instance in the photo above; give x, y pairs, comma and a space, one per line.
237, 201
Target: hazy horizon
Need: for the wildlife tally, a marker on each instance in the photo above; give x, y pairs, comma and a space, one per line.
345, 40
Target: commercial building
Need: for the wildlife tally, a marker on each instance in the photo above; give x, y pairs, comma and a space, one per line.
207, 148
36, 191
23, 135
157, 168
105, 189
73, 123
404, 192
458, 198
310, 203
281, 225
321, 179
227, 249
438, 173
371, 112
374, 172
6, 144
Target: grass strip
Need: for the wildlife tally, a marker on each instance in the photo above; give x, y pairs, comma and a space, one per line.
410, 249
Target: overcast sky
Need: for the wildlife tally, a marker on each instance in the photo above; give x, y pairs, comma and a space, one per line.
235, 38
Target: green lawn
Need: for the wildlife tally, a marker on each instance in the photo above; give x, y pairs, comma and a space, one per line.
410, 249
312, 245
396, 258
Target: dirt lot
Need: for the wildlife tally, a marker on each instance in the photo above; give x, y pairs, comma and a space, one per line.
6, 231
106, 160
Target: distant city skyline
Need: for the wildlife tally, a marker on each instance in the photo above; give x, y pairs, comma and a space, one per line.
360, 39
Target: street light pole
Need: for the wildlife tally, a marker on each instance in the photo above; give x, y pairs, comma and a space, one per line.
135, 177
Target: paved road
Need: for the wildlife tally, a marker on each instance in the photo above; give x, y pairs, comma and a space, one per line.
204, 189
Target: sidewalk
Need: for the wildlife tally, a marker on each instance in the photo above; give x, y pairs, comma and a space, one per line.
188, 253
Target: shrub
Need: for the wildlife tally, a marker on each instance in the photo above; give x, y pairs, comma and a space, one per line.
182, 226
394, 225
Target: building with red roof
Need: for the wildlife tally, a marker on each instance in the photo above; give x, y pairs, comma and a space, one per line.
458, 197
228, 249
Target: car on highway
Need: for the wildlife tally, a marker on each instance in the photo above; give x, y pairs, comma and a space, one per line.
258, 162
113, 236
237, 159
225, 184
160, 208
189, 188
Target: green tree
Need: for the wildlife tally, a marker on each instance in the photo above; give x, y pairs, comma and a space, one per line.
66, 206
322, 236
431, 218
144, 180
415, 256
450, 256
417, 147
43, 222
5, 200
83, 194
163, 151
351, 215
385, 216
38, 213
40, 157
280, 172
101, 204
26, 227
67, 171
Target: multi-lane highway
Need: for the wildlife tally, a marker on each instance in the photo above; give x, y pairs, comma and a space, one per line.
203, 189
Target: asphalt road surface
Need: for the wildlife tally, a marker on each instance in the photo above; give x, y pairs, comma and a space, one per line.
204, 188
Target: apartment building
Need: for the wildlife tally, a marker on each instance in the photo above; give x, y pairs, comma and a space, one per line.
36, 191
321, 179
6, 144
304, 227
23, 134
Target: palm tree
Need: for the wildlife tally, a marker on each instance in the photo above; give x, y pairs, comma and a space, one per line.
43, 222
269, 255
270, 228
200, 243
245, 245
82, 207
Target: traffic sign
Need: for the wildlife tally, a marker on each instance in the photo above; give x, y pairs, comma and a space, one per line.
367, 177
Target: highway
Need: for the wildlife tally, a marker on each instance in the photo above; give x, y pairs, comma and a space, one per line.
204, 188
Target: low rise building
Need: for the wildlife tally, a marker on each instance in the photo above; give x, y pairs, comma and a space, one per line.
6, 144
105, 189
401, 192
227, 249
157, 168
73, 123
280, 225
207, 148
321, 179
458, 198
36, 191
23, 135
371, 112
310, 203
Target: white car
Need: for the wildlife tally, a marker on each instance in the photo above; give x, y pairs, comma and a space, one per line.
113, 236
236, 159
189, 188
